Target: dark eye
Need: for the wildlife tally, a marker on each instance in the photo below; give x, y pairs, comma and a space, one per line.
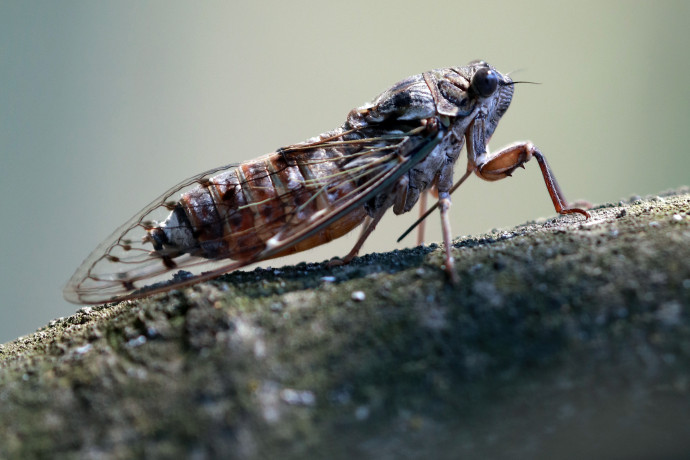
484, 82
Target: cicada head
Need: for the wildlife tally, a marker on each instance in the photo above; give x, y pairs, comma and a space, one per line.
491, 89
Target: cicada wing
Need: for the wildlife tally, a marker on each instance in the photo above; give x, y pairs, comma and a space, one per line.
405, 150
126, 266
125, 261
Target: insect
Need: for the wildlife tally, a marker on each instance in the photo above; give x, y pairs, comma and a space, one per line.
387, 154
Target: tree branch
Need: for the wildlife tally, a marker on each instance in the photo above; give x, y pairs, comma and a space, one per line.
564, 338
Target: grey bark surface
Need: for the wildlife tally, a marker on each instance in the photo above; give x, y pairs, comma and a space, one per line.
564, 339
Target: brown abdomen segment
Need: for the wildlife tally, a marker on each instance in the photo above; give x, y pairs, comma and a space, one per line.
233, 215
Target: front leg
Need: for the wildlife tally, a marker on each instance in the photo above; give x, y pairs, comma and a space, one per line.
501, 164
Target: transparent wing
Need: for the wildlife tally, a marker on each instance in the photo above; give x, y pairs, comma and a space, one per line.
127, 265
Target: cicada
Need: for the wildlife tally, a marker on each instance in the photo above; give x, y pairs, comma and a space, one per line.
387, 154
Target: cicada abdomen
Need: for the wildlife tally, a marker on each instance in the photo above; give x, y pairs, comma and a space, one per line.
234, 215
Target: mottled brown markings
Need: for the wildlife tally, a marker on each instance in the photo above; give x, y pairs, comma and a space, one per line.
286, 183
229, 196
235, 219
263, 194
282, 152
242, 244
311, 182
168, 262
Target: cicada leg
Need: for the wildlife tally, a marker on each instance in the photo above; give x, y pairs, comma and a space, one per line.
444, 207
422, 210
368, 227
502, 163
396, 199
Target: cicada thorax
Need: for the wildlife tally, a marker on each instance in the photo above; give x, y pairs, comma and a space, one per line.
234, 214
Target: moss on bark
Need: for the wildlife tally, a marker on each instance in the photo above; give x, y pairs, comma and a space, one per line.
565, 338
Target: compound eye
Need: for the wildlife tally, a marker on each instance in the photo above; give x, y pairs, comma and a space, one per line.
484, 82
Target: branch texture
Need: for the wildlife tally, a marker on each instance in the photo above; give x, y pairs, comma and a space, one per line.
564, 339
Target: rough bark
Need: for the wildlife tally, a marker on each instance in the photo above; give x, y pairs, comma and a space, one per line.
564, 339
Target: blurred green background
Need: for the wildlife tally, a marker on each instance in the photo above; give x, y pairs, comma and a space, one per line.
105, 105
